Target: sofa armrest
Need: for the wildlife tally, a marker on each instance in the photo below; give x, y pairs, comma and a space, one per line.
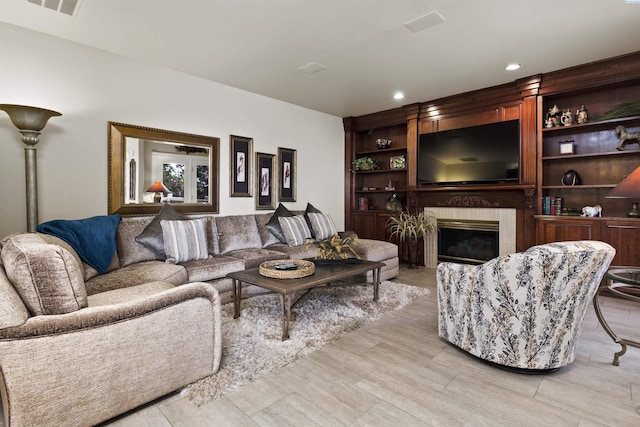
93, 317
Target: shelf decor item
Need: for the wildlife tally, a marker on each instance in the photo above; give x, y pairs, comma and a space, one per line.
571, 177
365, 164
397, 162
629, 188
582, 115
383, 143
626, 137
567, 147
412, 229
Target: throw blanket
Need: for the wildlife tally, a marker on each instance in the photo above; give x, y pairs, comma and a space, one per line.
94, 239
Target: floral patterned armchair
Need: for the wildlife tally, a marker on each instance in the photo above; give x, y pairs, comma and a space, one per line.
522, 310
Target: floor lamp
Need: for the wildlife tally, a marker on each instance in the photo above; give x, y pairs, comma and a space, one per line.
30, 121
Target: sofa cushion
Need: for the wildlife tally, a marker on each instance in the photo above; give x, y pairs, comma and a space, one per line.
321, 225
137, 274
151, 237
130, 251
238, 232
185, 240
273, 224
254, 257
297, 252
375, 250
212, 268
295, 230
212, 235
267, 237
46, 276
130, 293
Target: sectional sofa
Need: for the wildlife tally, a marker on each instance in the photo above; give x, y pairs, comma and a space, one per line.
79, 346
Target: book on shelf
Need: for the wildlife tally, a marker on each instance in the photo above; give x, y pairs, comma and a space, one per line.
558, 205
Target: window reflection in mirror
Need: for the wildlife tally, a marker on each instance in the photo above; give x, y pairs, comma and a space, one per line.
186, 164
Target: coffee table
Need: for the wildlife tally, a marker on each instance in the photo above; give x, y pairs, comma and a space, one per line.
324, 275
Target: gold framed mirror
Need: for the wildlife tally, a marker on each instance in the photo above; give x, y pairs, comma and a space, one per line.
149, 167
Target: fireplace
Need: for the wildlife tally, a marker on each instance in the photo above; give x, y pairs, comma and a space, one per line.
467, 241
500, 223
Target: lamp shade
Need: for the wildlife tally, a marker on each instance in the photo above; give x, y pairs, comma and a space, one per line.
158, 187
28, 118
628, 187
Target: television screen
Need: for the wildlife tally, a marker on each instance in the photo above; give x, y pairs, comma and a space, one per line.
482, 154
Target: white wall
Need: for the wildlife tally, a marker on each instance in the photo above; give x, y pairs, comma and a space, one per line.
91, 87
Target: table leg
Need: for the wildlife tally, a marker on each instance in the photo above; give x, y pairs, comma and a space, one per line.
376, 283
608, 330
236, 290
285, 314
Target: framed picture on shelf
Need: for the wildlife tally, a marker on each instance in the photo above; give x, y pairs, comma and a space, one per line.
567, 147
287, 172
265, 199
241, 178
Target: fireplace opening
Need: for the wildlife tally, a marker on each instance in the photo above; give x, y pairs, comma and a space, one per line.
468, 241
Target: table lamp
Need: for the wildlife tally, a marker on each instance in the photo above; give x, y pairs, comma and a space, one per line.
158, 188
30, 121
629, 188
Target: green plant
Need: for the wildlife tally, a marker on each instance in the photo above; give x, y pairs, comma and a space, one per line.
407, 226
365, 164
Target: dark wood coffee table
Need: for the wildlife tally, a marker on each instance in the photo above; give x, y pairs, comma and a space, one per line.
324, 275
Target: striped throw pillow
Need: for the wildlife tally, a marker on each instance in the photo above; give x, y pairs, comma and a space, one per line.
322, 225
295, 229
185, 240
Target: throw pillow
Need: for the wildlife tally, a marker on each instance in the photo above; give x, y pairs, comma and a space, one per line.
321, 225
185, 240
151, 236
46, 276
273, 225
309, 210
295, 230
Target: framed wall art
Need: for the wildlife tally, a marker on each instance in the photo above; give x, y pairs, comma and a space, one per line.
241, 177
265, 165
287, 172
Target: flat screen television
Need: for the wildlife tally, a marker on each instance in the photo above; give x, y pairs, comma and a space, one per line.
485, 154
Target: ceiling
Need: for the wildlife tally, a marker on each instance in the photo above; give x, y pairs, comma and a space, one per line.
368, 52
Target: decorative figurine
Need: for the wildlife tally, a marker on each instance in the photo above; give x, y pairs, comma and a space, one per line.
592, 211
626, 136
582, 116
571, 177
566, 119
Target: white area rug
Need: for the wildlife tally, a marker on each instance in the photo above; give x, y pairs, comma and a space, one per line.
252, 345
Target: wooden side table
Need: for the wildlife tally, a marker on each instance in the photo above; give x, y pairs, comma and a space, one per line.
623, 282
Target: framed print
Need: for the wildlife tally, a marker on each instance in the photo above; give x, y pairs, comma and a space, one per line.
265, 199
287, 173
241, 153
567, 147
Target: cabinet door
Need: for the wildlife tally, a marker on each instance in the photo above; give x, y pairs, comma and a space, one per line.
363, 223
625, 237
558, 231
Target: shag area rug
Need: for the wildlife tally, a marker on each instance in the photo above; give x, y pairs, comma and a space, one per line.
252, 345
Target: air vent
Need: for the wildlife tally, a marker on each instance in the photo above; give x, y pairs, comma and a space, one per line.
469, 159
423, 22
68, 7
312, 68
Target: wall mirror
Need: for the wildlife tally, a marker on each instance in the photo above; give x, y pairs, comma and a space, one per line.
149, 167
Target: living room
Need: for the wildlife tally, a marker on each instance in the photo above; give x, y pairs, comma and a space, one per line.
92, 87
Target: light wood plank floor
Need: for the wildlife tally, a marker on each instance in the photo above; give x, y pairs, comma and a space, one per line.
398, 372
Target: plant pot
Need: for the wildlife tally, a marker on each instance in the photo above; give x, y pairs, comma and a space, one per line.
412, 252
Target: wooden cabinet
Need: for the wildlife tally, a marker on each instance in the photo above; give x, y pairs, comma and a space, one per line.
624, 235
552, 230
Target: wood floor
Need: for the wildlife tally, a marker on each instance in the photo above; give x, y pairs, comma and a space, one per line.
397, 372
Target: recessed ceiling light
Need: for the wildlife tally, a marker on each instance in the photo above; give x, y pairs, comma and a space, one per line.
398, 95
513, 67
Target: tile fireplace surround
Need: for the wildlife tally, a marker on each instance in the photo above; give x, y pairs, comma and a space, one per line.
506, 219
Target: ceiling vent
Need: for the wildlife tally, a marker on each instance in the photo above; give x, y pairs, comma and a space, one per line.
423, 22
312, 68
68, 7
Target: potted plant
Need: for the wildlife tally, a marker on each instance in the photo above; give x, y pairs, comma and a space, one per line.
412, 229
365, 164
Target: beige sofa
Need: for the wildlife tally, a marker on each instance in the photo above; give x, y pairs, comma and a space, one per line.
78, 347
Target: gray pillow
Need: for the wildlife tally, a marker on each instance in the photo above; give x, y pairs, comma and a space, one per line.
273, 225
151, 236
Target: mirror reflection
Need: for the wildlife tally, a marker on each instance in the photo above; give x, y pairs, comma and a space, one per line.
148, 167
